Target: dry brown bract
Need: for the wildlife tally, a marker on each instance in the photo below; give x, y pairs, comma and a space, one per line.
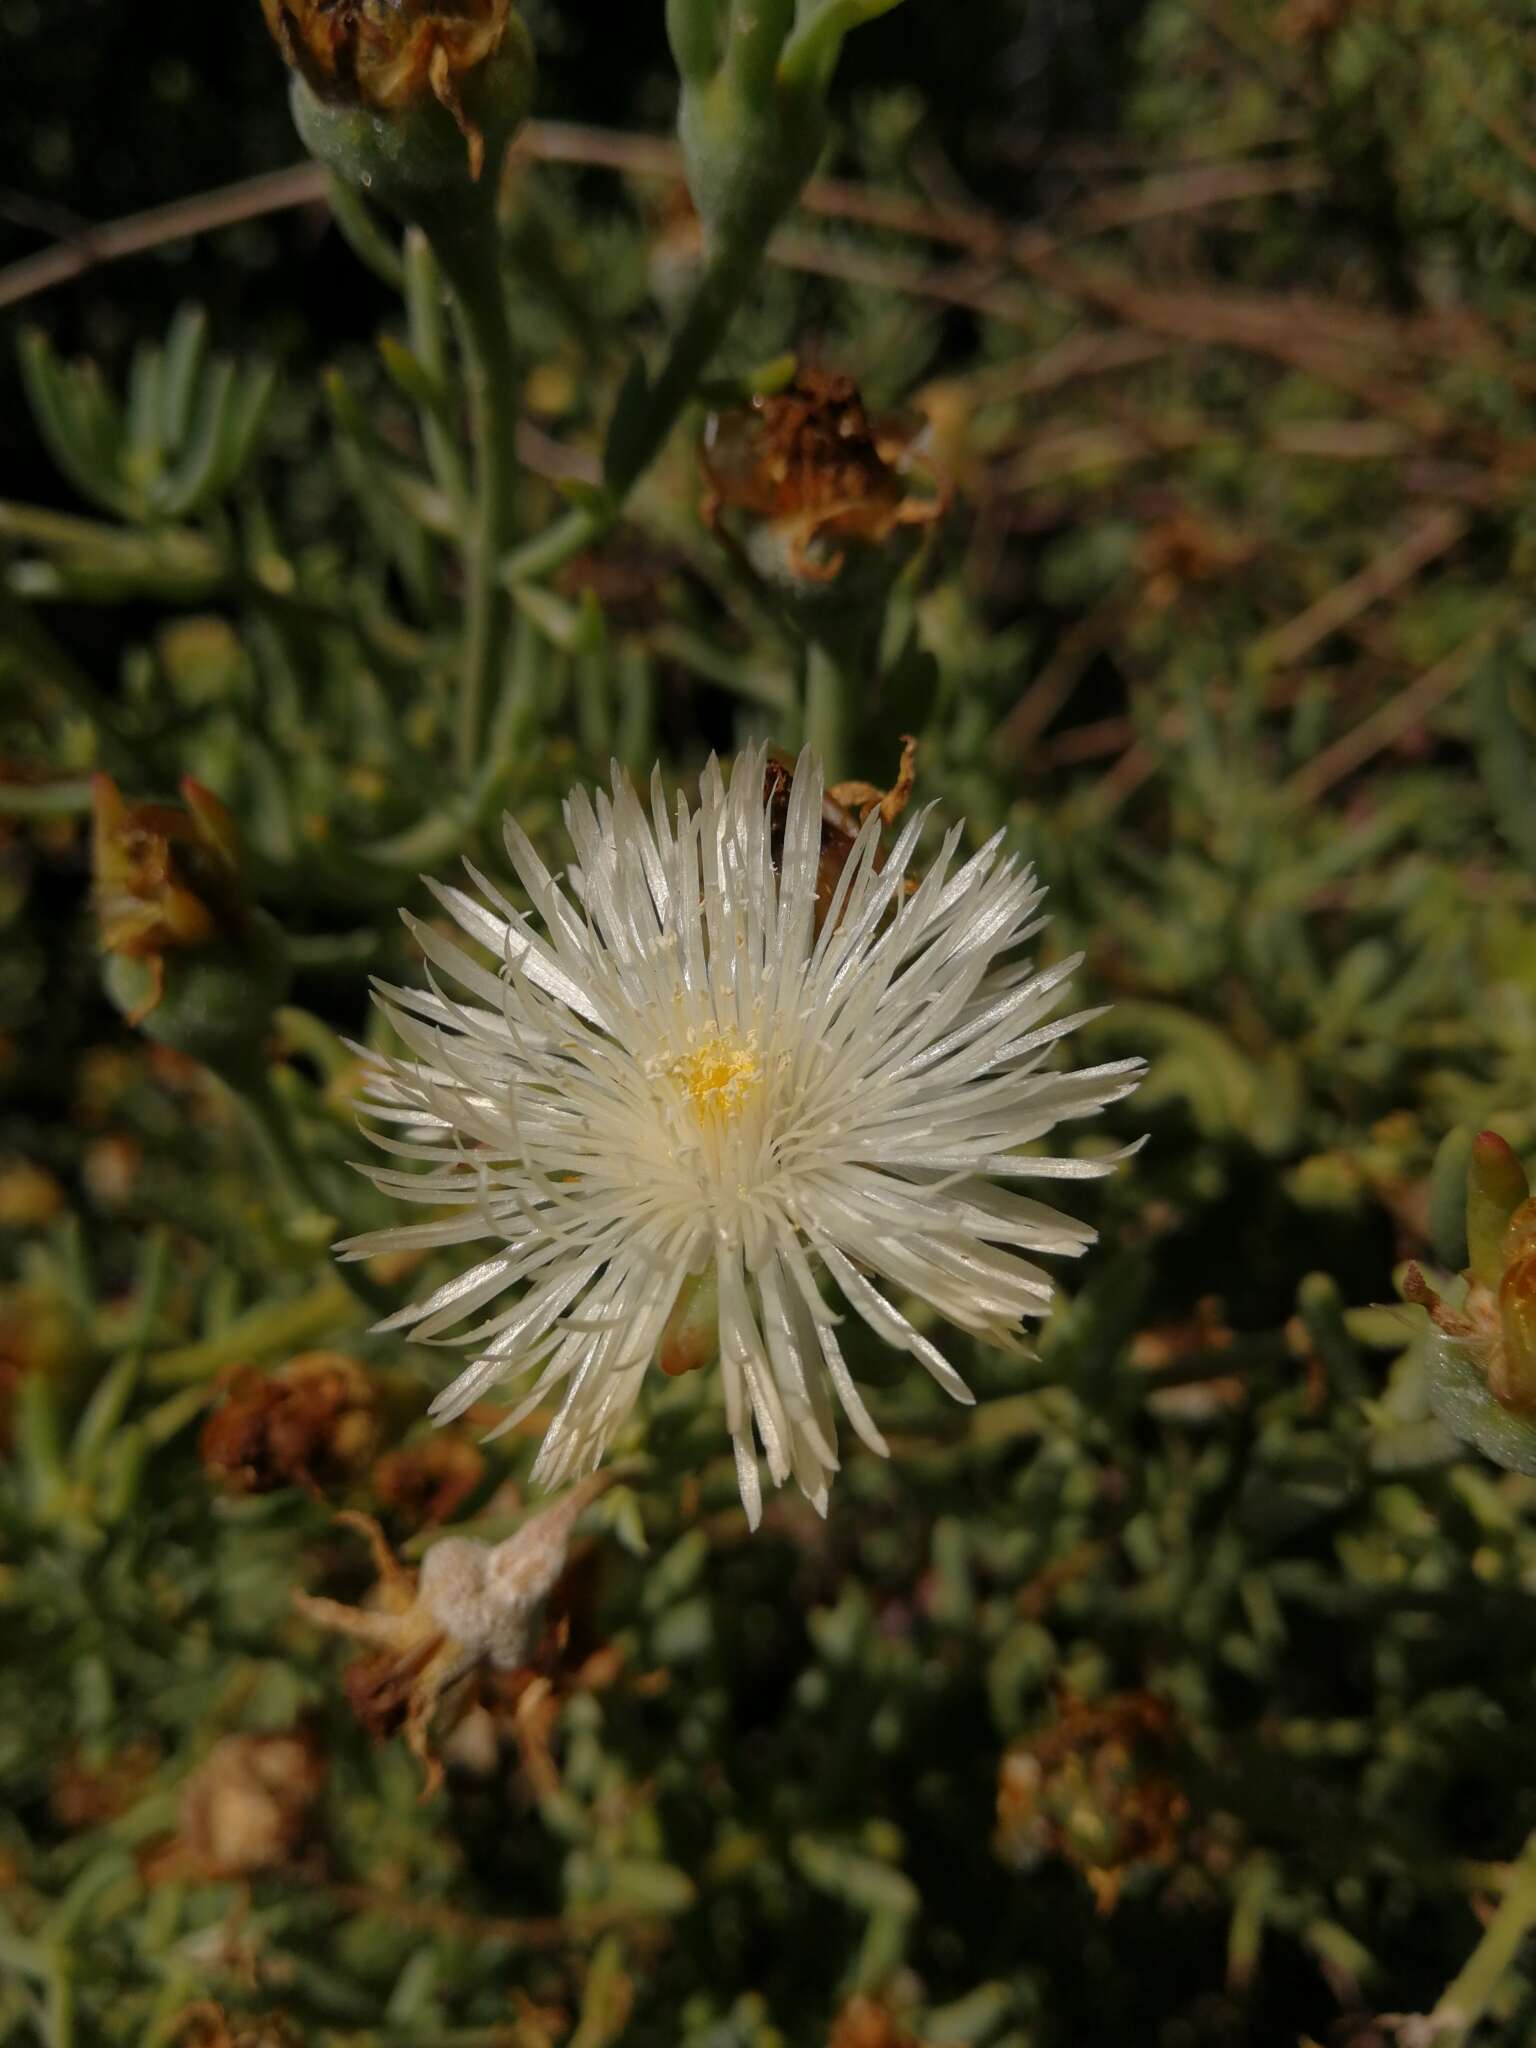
311, 1423
389, 54
845, 808
811, 462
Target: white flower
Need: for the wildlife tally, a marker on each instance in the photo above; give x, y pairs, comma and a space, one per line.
686, 1072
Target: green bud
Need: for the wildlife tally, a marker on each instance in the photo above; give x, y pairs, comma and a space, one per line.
692, 1336
1516, 1352
753, 115
1496, 1186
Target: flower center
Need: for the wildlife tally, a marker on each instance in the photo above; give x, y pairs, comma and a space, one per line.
720, 1075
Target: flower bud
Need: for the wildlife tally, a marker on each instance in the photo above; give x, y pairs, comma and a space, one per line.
692, 1336
1496, 1187
825, 502
753, 115
189, 956
1512, 1374
402, 96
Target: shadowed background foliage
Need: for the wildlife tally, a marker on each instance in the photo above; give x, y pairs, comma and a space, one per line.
1179, 1693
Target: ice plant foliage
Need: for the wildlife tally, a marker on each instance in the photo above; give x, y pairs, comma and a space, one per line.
686, 1071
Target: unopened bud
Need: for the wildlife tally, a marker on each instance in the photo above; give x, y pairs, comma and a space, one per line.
753, 116
1496, 1187
402, 97
189, 956
692, 1336
1512, 1372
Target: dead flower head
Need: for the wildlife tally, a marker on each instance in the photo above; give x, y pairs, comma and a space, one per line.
810, 477
427, 1483
312, 1423
247, 1805
1093, 1789
472, 1606
391, 55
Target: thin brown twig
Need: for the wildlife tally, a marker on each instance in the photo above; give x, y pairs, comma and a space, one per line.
638, 155
1384, 573
1498, 125
1049, 691
137, 233
1390, 723
1138, 764
1086, 354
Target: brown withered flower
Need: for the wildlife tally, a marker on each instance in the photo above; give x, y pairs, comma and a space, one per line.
390, 55
206, 2025
427, 1483
1093, 1789
165, 878
247, 1806
312, 1423
809, 476
1181, 550
471, 1607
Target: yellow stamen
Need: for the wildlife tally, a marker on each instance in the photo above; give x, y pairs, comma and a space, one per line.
719, 1076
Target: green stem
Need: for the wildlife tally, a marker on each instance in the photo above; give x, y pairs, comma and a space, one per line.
717, 296
65, 799
49, 663
267, 1120
271, 1126
469, 252
834, 691
276, 1326
1472, 1990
